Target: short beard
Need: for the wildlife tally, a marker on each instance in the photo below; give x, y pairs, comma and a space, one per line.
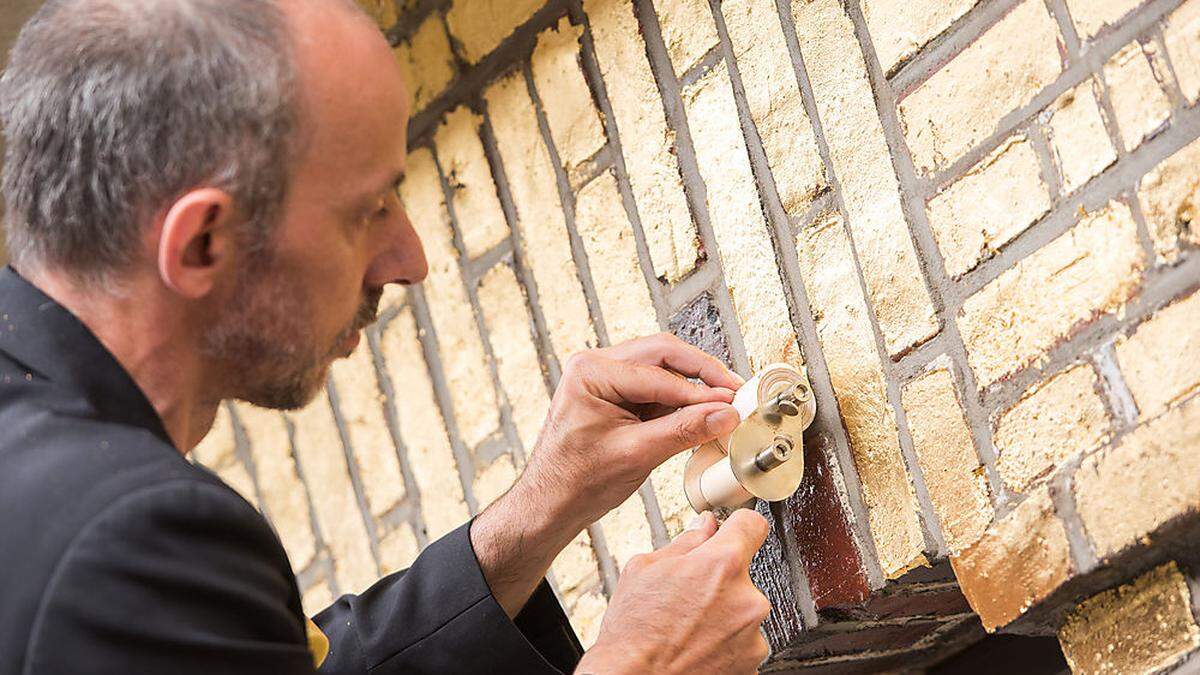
263, 341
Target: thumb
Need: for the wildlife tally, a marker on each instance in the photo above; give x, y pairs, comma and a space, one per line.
690, 426
700, 530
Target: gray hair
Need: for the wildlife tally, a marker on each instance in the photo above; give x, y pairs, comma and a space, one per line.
112, 109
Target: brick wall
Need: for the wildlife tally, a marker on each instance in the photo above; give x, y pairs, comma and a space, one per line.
971, 219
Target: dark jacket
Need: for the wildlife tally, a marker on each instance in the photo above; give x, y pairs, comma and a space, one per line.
119, 556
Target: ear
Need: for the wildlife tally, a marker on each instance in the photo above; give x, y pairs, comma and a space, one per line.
196, 242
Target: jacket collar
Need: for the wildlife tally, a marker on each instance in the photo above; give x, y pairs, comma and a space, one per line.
49, 341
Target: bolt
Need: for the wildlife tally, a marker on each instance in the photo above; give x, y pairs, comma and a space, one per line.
778, 452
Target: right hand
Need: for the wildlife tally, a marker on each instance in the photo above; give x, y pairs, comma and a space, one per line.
688, 607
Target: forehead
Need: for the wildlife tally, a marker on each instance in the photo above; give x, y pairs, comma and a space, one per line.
353, 96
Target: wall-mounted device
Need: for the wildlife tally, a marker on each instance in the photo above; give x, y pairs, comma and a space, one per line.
764, 456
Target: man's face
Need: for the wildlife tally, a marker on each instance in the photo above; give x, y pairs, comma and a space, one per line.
342, 234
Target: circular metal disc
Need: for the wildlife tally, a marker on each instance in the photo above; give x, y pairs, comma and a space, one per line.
755, 434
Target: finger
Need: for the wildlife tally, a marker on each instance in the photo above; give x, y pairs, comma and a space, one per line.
663, 438
744, 531
702, 528
667, 351
626, 382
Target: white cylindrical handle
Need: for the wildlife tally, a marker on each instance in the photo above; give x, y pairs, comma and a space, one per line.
720, 487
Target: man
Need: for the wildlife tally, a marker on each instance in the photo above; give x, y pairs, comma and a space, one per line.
202, 206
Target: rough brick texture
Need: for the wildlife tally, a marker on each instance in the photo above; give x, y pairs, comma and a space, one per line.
971, 221
1143, 627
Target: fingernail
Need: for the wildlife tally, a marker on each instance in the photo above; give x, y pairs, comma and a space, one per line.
723, 421
729, 393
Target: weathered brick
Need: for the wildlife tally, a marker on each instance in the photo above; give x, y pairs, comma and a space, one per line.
1125, 493
423, 431
1017, 563
572, 117
510, 328
1142, 627
1161, 360
649, 149
1092, 15
319, 452
284, 498
626, 530
773, 95
1169, 195
317, 598
481, 25
1182, 37
494, 481
1092, 269
426, 61
539, 208
398, 549
688, 29
699, 324
1078, 138
1057, 419
962, 104
843, 325
459, 343
946, 453
382, 11
612, 256
472, 191
577, 581
362, 406
738, 222
900, 29
863, 166
1139, 103
995, 201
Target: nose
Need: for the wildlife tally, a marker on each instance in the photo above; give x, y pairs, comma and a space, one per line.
401, 257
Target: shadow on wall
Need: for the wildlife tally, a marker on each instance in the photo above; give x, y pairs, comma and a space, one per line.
15, 13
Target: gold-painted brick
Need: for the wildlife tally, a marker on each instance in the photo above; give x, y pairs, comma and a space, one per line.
626, 530
1182, 37
398, 549
773, 96
1161, 360
572, 117
422, 429
612, 256
688, 29
510, 327
461, 348
577, 581
383, 12
1081, 145
900, 28
284, 497
1145, 626
1093, 15
1092, 269
962, 104
1125, 493
427, 63
985, 209
1017, 563
743, 239
481, 25
494, 481
1060, 418
1169, 196
863, 166
362, 404
472, 191
334, 501
649, 149
848, 343
317, 598
956, 480
219, 446
543, 227
1139, 103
